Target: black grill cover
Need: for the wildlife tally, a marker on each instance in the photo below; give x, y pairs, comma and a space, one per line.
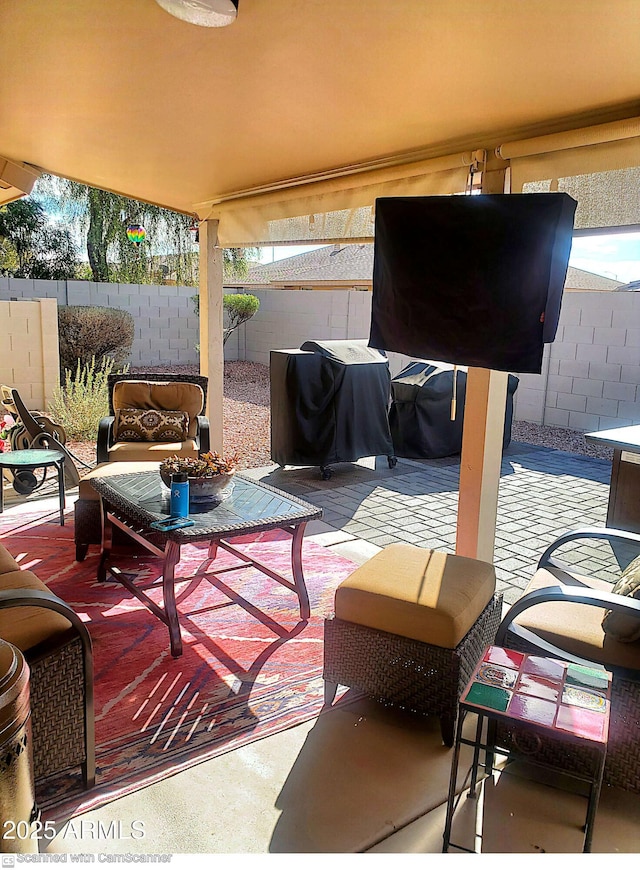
420, 413
329, 403
473, 280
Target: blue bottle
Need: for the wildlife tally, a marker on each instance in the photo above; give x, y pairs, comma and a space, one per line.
180, 494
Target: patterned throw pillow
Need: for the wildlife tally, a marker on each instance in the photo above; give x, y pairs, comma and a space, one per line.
133, 424
624, 628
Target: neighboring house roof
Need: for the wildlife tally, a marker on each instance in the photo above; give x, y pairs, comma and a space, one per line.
578, 279
347, 263
353, 264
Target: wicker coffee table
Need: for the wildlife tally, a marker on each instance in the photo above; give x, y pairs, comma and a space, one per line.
131, 502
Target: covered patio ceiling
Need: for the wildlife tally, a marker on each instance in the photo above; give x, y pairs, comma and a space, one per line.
123, 96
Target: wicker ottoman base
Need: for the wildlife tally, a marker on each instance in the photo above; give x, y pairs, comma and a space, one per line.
407, 673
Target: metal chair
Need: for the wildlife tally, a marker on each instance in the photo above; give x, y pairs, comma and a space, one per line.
159, 391
561, 615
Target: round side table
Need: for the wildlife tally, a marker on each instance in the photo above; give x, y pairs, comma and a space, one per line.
22, 464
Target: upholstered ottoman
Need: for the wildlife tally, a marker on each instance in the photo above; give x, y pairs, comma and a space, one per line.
409, 627
87, 518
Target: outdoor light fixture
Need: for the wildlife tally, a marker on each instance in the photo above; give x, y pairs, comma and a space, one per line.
204, 13
194, 232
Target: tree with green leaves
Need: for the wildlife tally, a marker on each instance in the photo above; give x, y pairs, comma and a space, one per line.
103, 218
31, 246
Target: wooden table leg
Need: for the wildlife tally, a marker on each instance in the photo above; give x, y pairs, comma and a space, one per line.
296, 567
171, 559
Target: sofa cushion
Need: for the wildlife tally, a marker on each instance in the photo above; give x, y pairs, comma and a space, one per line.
31, 627
624, 628
7, 562
106, 469
576, 628
132, 451
135, 424
417, 593
162, 396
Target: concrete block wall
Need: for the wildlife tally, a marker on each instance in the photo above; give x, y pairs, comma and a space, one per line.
287, 318
29, 351
590, 378
166, 326
591, 373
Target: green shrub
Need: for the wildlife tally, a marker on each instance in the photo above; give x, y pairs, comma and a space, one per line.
83, 400
238, 308
88, 332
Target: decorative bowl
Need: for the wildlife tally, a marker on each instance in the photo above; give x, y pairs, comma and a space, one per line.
202, 488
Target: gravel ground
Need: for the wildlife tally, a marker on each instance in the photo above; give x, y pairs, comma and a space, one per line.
558, 439
246, 419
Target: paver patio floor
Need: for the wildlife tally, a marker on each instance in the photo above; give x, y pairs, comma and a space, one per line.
542, 494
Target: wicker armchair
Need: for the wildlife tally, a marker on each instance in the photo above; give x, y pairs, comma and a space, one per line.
560, 615
169, 395
60, 658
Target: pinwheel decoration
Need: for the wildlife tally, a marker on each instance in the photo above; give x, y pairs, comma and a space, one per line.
136, 234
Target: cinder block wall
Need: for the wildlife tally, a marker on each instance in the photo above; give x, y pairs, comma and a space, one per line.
31, 366
591, 373
166, 326
590, 378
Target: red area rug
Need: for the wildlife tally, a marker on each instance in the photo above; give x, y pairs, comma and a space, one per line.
250, 666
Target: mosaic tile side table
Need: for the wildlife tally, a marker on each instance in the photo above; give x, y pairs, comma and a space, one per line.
539, 696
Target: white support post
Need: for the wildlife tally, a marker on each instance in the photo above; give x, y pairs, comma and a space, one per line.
482, 436
484, 414
211, 332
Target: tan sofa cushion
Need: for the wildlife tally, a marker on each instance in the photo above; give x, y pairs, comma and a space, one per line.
421, 594
179, 396
106, 469
7, 562
576, 628
29, 627
141, 451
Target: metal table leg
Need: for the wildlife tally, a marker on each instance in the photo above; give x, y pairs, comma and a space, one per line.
61, 489
452, 783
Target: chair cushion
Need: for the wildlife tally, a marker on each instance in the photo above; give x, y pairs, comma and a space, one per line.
144, 451
135, 424
626, 629
576, 628
29, 627
160, 396
106, 469
7, 562
417, 593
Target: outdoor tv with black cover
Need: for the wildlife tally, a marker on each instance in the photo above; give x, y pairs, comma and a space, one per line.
473, 280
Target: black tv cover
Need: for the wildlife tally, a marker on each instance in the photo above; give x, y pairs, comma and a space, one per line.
473, 280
